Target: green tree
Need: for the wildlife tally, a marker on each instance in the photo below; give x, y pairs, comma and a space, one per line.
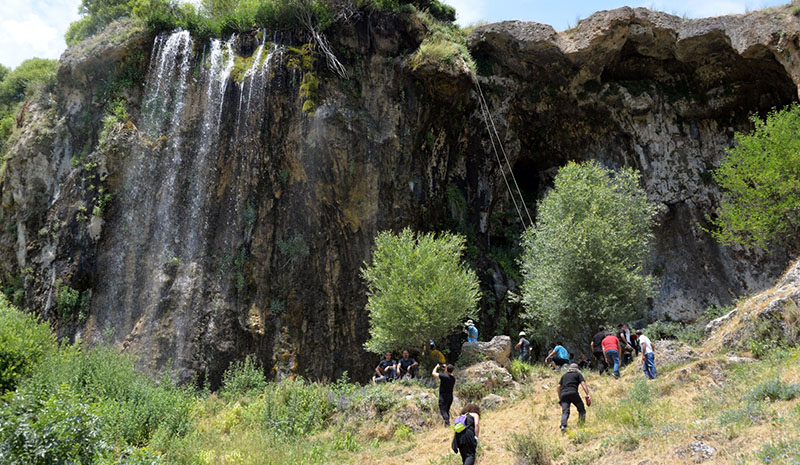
95, 15
17, 85
761, 181
583, 261
24, 341
418, 289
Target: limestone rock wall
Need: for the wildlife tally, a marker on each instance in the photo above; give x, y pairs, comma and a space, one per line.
237, 220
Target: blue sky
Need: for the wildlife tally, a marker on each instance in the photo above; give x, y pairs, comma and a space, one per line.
31, 28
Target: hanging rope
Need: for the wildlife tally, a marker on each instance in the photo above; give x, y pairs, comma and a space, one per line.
492, 135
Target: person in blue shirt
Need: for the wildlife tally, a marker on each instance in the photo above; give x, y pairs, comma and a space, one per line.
557, 357
472, 331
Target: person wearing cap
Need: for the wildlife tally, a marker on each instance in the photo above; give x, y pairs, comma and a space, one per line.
568, 394
472, 331
597, 349
437, 354
523, 347
648, 355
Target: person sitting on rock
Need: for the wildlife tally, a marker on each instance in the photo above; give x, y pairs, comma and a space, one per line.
523, 347
471, 330
385, 371
407, 366
466, 441
568, 394
446, 383
557, 357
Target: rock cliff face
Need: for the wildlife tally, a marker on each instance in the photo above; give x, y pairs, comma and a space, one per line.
229, 211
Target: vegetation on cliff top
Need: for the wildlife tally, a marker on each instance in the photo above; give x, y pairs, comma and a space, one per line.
25, 81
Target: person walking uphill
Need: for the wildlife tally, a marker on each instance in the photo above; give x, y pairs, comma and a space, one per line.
523, 347
648, 355
611, 347
467, 428
446, 383
568, 394
597, 349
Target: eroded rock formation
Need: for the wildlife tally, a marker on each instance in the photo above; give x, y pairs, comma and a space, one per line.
228, 215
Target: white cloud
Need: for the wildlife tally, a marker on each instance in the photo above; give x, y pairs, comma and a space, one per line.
34, 28
469, 11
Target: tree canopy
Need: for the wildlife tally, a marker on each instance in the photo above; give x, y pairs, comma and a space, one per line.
760, 179
583, 261
418, 289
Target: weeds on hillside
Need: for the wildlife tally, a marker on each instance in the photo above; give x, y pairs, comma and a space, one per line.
532, 449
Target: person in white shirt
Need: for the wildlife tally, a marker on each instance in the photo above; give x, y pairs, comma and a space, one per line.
648, 355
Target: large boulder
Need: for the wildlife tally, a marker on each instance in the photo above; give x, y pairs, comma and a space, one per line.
498, 349
670, 351
488, 373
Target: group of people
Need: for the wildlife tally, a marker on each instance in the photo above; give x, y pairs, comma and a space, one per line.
615, 349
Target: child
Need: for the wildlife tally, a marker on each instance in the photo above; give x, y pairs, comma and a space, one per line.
466, 441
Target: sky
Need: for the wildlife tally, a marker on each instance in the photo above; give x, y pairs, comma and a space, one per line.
35, 28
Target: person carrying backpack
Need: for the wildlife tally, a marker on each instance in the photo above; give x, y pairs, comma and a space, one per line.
467, 428
568, 394
446, 383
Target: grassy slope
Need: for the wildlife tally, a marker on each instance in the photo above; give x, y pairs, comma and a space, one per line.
630, 421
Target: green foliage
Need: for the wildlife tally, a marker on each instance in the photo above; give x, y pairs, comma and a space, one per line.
418, 289
25, 81
533, 449
583, 261
774, 389
470, 391
761, 181
444, 45
296, 408
72, 302
95, 15
243, 378
85, 401
520, 370
780, 452
24, 341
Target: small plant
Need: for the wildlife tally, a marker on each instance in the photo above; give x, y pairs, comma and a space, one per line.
470, 391
532, 449
71, 302
403, 433
24, 341
774, 389
243, 378
520, 370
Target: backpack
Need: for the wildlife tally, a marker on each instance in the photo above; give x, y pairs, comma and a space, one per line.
460, 424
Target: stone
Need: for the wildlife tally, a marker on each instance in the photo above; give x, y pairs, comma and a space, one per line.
489, 373
670, 351
697, 451
717, 323
492, 401
498, 349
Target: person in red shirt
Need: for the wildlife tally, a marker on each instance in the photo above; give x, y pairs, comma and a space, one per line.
611, 351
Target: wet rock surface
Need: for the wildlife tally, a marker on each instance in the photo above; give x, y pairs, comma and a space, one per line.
237, 221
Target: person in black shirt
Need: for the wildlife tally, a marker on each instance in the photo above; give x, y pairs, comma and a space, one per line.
446, 383
568, 394
385, 370
407, 366
597, 349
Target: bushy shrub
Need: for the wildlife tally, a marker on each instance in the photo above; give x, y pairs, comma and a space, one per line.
130, 409
520, 371
24, 341
60, 427
418, 288
470, 391
774, 389
243, 378
532, 449
295, 408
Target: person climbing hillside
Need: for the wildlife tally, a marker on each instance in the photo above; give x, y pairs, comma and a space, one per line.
611, 347
385, 371
436, 354
523, 348
407, 366
557, 357
468, 428
568, 395
446, 383
648, 355
471, 330
597, 348
625, 349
